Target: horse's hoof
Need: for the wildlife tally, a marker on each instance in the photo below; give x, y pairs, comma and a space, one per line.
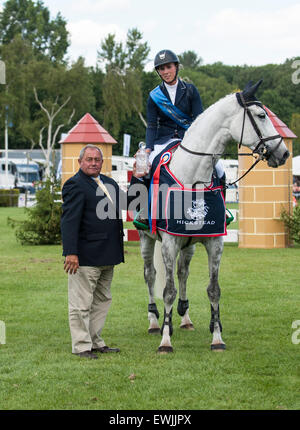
189, 327
165, 349
154, 330
218, 347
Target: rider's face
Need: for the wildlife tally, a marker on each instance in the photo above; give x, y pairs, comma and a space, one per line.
168, 73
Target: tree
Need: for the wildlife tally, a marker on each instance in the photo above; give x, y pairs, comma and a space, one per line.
31, 20
42, 226
54, 84
295, 127
52, 131
280, 105
14, 100
190, 60
59, 93
122, 86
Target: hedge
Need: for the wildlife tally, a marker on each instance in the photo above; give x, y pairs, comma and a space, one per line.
9, 197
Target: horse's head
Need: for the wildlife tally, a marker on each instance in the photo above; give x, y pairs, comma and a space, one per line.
252, 127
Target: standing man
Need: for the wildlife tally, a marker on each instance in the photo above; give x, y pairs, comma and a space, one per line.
92, 245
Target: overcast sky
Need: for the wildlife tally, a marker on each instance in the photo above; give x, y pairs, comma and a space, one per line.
235, 32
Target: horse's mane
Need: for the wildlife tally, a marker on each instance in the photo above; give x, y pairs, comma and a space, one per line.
202, 117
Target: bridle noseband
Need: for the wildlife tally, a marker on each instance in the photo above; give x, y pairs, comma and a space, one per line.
261, 149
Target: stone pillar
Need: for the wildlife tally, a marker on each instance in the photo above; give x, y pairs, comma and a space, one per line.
263, 193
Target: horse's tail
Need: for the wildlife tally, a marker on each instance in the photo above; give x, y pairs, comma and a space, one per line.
160, 280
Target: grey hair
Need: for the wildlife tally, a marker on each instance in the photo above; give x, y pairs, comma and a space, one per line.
81, 154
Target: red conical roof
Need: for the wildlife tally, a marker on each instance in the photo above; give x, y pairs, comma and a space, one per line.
280, 126
88, 130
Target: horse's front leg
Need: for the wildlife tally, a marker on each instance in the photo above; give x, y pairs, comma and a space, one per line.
214, 247
183, 264
169, 252
147, 251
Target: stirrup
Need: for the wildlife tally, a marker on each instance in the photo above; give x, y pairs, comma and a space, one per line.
139, 224
229, 217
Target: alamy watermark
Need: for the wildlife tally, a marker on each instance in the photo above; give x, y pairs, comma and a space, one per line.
188, 208
2, 333
296, 334
296, 74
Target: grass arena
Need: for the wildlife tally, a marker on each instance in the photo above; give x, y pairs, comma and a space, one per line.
259, 370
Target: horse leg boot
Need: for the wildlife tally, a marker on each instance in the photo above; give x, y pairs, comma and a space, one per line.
184, 260
147, 251
169, 253
214, 250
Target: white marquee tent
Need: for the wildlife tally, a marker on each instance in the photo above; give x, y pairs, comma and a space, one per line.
296, 166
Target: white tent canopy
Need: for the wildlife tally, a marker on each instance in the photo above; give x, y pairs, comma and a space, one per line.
296, 166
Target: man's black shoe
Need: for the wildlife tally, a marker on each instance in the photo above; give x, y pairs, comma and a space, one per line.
105, 350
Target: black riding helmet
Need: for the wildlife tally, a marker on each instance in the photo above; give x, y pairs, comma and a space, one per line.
164, 57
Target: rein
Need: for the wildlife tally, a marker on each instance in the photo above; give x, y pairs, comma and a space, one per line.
261, 148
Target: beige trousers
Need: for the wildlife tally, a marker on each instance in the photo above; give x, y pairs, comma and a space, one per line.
89, 302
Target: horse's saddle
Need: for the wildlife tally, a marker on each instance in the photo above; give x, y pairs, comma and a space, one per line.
180, 210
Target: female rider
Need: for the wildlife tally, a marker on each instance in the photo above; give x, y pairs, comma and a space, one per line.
161, 127
171, 108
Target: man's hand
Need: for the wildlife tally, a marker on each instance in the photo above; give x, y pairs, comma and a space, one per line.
71, 264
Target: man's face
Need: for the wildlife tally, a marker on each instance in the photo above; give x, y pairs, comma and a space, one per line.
91, 162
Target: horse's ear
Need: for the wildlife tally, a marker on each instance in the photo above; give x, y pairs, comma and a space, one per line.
250, 90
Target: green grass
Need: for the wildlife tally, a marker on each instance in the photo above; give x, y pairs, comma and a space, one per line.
259, 370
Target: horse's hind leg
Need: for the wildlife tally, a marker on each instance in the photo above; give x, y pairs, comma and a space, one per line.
183, 264
170, 249
214, 248
147, 251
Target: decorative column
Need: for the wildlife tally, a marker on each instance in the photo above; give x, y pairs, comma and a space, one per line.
263, 194
86, 131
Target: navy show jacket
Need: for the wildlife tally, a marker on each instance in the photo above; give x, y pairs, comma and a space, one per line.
96, 242
160, 127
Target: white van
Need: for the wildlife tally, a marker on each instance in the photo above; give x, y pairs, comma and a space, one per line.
7, 180
26, 174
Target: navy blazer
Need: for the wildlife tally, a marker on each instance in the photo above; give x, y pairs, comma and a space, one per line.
160, 127
96, 242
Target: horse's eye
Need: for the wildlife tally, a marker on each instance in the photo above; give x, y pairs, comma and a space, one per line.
262, 115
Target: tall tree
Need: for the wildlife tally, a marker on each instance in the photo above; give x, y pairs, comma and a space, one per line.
122, 86
190, 60
40, 96
60, 95
295, 127
32, 21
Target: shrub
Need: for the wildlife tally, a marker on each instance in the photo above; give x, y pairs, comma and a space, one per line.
292, 223
42, 226
9, 197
